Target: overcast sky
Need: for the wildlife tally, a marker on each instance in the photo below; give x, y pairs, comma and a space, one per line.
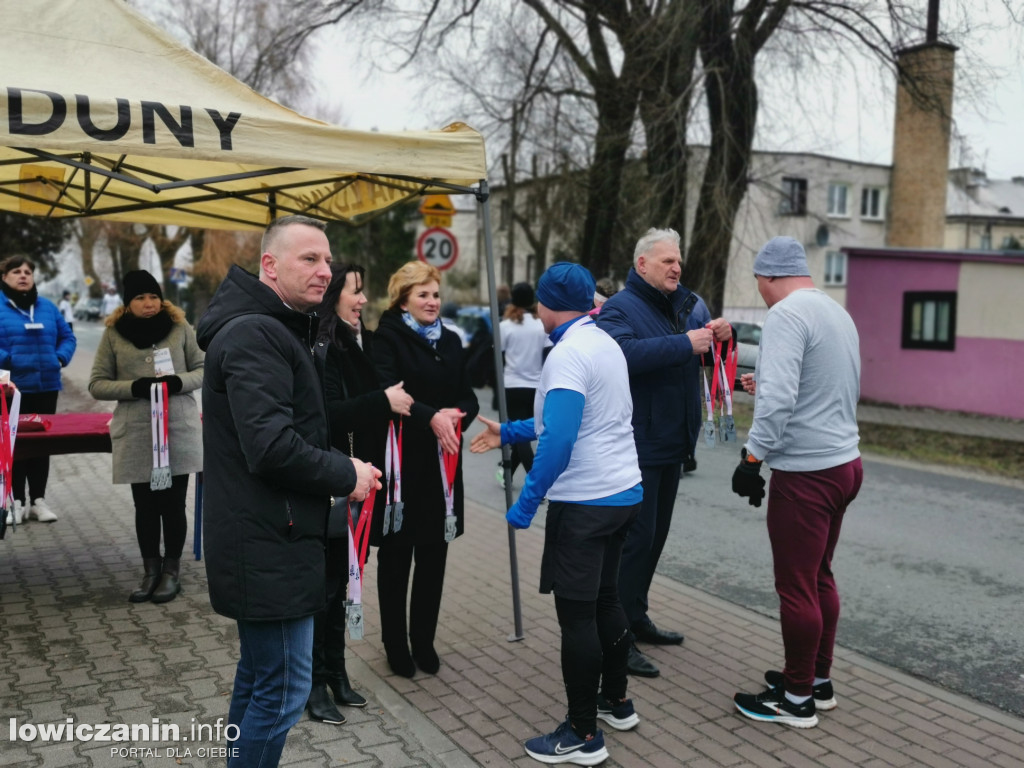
851, 120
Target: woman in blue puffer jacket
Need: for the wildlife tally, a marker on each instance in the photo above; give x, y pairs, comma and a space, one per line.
35, 343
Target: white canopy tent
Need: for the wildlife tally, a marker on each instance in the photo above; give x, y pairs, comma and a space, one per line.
103, 114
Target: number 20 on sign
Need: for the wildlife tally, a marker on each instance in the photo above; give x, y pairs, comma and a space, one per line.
438, 247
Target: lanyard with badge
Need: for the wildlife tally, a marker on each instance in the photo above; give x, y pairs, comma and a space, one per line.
709, 400
31, 325
394, 508
360, 513
449, 466
159, 405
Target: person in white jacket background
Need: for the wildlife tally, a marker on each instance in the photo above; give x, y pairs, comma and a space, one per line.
523, 342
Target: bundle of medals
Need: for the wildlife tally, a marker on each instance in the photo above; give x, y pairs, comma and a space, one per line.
8, 434
724, 360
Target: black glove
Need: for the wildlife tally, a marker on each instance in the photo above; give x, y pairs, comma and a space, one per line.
140, 387
747, 480
173, 384
689, 464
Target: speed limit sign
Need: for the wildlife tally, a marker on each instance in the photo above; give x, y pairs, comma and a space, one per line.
438, 247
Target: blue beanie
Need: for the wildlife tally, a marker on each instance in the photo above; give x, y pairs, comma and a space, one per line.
566, 287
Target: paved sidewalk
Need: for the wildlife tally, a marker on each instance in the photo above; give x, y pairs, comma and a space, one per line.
969, 424
943, 421
72, 646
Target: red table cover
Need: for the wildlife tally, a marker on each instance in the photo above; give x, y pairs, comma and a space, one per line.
69, 433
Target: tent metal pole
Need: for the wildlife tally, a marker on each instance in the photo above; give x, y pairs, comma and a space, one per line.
483, 195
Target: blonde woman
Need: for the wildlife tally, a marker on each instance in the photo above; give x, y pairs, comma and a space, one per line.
147, 341
412, 346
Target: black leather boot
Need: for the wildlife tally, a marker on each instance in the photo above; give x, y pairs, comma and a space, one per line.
320, 706
169, 585
343, 693
153, 566
426, 657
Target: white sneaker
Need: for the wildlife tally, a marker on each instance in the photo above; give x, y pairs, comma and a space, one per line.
17, 514
41, 511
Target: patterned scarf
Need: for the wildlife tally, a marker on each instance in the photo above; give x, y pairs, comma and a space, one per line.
431, 333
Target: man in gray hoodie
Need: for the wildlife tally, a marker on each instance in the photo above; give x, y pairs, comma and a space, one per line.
805, 429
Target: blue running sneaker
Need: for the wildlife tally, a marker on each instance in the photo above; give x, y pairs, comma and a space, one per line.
772, 706
564, 746
621, 716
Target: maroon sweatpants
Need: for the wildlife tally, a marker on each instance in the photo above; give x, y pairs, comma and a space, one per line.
805, 513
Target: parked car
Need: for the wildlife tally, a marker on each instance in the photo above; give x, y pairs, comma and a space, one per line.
88, 309
473, 317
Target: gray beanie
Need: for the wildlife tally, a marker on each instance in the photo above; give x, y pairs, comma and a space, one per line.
781, 257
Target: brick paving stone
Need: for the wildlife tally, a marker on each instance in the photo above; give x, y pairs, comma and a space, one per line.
1012, 760
495, 759
130, 663
393, 756
921, 755
836, 761
506, 744
469, 741
57, 755
968, 760
998, 729
844, 749
887, 754
755, 756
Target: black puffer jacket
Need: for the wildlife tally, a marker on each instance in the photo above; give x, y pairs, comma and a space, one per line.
269, 469
436, 379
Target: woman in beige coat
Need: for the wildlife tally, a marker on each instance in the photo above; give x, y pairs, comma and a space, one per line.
147, 341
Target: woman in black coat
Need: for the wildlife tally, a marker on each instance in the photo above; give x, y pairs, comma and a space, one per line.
358, 410
412, 346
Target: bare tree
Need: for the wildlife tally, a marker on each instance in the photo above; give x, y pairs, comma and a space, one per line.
642, 57
264, 43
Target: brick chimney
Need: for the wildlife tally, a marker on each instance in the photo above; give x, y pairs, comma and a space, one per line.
920, 151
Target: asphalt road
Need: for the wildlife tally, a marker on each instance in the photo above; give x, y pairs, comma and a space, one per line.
929, 564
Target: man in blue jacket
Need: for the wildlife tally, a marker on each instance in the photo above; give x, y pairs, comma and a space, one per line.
663, 329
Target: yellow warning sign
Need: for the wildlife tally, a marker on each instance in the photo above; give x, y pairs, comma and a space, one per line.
437, 210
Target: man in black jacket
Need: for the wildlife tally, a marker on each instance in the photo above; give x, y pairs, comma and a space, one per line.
270, 475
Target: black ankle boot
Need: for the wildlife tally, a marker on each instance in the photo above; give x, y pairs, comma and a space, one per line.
400, 660
153, 567
320, 706
169, 585
426, 658
343, 693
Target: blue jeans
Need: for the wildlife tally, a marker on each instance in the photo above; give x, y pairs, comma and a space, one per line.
272, 684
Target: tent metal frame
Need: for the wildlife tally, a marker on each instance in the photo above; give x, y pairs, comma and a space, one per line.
77, 199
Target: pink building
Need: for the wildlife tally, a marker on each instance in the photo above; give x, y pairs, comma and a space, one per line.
939, 329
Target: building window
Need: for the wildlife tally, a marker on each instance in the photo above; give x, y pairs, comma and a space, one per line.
929, 320
838, 194
872, 203
835, 268
794, 197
